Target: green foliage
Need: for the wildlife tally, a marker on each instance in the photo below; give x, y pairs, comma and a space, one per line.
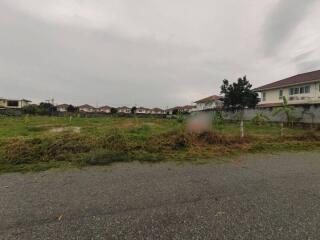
28, 144
113, 110
287, 110
238, 95
175, 111
72, 109
133, 110
30, 109
180, 117
260, 119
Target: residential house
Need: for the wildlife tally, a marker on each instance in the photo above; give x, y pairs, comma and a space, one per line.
104, 109
124, 110
87, 108
13, 103
300, 89
157, 111
62, 108
209, 103
143, 110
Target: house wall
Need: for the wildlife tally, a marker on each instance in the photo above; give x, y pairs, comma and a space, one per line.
272, 96
20, 103
207, 105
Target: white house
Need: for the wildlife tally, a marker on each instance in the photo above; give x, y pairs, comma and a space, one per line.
300, 89
124, 109
209, 103
87, 108
104, 109
13, 103
157, 111
143, 110
62, 107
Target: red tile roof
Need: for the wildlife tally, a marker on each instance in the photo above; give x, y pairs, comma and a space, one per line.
294, 80
207, 99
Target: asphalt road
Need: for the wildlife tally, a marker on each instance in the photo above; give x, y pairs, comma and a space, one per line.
256, 197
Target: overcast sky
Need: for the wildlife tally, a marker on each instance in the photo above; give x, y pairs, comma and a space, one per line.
151, 52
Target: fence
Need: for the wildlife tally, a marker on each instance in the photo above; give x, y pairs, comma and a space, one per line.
301, 114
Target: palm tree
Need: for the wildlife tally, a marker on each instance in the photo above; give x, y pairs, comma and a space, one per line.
286, 110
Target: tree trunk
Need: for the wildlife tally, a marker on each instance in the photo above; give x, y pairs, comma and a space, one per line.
241, 129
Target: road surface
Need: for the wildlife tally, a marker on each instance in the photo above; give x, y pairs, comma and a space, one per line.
255, 197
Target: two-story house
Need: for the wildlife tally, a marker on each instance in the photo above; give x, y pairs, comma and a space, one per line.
300, 89
124, 109
13, 103
87, 108
209, 103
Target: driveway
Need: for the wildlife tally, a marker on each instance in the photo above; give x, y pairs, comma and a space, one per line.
254, 197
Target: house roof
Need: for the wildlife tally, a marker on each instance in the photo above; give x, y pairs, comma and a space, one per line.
124, 107
86, 106
142, 108
156, 109
63, 105
210, 98
294, 80
105, 107
15, 99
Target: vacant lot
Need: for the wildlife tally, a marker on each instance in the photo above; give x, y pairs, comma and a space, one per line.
38, 143
257, 197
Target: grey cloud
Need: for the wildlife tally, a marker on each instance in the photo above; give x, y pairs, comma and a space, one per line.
126, 63
282, 21
307, 66
302, 56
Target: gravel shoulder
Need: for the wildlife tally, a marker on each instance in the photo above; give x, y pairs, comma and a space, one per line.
254, 197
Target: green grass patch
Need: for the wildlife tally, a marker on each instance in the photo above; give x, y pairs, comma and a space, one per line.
30, 144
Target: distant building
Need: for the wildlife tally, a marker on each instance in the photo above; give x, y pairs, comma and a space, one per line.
209, 103
143, 110
124, 110
13, 103
301, 89
104, 109
62, 107
87, 108
157, 111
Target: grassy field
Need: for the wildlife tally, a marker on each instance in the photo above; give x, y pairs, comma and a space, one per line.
39, 143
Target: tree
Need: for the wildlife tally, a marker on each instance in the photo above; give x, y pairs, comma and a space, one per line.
46, 108
238, 96
286, 110
133, 110
29, 109
175, 111
113, 110
72, 109
260, 119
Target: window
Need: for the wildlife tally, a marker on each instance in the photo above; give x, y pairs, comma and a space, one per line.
302, 90
299, 90
307, 89
264, 96
280, 94
291, 91
12, 103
